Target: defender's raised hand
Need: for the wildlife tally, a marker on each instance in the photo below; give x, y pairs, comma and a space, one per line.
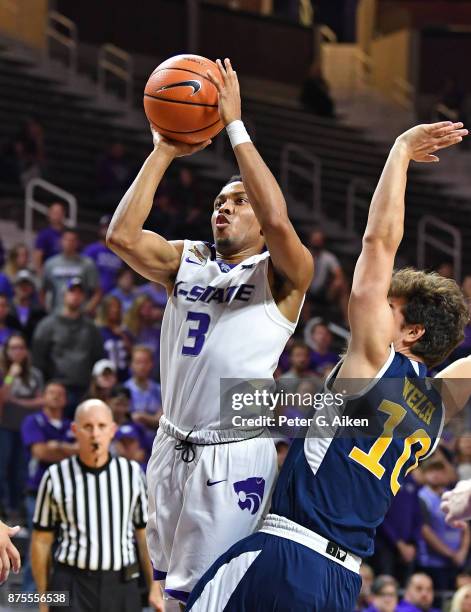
228, 90
423, 141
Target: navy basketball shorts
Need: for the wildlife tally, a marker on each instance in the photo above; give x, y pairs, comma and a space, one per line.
274, 573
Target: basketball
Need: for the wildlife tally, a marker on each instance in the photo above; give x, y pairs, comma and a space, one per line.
181, 102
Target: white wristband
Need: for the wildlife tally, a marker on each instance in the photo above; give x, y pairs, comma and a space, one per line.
237, 133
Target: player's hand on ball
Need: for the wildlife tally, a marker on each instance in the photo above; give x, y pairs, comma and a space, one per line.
174, 148
229, 91
423, 141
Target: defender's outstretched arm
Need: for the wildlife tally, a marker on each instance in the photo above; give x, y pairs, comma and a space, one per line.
370, 316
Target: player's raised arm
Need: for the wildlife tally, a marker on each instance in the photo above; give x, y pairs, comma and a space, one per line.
147, 252
370, 315
289, 257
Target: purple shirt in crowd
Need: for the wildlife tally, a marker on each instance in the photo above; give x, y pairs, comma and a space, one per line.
48, 241
5, 286
116, 352
435, 519
107, 263
38, 428
318, 361
406, 606
403, 520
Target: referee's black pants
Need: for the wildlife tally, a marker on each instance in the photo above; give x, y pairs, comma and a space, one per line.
95, 591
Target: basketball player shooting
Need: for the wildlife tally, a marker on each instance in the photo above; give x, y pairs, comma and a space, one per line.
335, 486
231, 308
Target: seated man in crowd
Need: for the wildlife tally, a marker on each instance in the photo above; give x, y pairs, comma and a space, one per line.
419, 595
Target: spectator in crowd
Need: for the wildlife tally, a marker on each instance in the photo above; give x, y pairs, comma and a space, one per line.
397, 537
103, 380
17, 259
6, 288
47, 438
125, 289
48, 240
146, 401
464, 349
299, 361
318, 337
463, 578
443, 549
21, 393
418, 594
67, 344
451, 104
25, 313
60, 269
99, 572
157, 294
463, 456
24, 156
5, 329
116, 341
367, 579
114, 174
107, 263
446, 269
120, 404
329, 287
384, 595
315, 94
165, 215
461, 601
140, 326
9, 555
186, 196
131, 442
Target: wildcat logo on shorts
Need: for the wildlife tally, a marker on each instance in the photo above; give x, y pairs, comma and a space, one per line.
250, 493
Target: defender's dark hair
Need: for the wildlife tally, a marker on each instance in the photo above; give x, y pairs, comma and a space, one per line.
436, 303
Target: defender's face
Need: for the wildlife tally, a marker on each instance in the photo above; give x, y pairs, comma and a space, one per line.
233, 221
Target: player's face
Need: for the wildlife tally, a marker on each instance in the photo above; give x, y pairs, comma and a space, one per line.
233, 221
404, 334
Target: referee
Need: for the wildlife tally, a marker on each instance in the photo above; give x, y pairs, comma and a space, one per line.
91, 508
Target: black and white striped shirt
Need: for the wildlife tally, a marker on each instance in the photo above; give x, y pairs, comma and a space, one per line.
96, 511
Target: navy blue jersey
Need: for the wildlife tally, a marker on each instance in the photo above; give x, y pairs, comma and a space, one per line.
341, 486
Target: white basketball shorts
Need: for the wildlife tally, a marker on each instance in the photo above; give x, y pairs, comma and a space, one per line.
202, 500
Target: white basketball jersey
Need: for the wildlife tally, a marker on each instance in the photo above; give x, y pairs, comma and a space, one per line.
216, 325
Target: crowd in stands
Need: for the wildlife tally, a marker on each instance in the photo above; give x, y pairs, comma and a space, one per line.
76, 323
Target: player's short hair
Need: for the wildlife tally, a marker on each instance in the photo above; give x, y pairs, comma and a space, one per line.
436, 303
235, 178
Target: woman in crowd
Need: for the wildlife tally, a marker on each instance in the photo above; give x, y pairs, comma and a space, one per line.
116, 341
18, 259
140, 325
20, 394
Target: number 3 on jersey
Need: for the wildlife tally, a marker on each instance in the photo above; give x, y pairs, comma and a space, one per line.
196, 335
371, 460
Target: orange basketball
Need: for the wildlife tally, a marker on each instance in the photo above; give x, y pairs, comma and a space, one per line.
181, 102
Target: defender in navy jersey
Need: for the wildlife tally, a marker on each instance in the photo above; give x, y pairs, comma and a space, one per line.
231, 309
334, 491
